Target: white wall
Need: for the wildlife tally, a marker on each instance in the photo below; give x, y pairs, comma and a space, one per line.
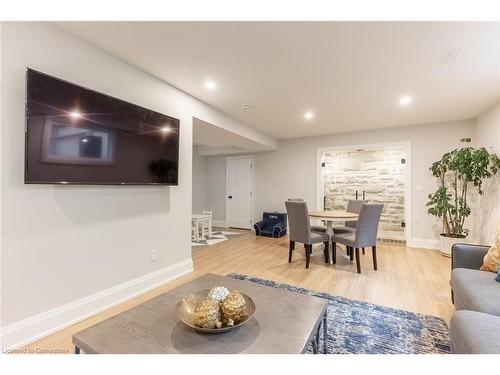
199, 185
63, 243
488, 214
209, 185
291, 171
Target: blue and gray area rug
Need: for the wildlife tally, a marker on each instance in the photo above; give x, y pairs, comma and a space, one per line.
356, 327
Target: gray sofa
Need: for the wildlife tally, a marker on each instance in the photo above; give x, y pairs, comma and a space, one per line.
475, 325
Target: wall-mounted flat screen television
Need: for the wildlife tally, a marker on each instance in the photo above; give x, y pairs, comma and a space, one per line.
79, 136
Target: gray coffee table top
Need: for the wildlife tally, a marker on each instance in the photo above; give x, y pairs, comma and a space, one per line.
285, 322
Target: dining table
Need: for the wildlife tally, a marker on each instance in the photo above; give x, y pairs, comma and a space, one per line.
330, 217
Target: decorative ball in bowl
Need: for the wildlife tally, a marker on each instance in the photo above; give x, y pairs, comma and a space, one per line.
216, 310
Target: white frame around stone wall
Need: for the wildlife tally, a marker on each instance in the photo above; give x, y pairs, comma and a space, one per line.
373, 146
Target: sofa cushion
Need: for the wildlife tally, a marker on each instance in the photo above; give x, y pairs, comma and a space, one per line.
474, 333
475, 290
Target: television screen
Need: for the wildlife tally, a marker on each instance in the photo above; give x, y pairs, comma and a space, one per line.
79, 136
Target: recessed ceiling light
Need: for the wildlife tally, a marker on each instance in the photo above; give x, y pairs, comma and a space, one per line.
405, 100
309, 115
210, 85
75, 114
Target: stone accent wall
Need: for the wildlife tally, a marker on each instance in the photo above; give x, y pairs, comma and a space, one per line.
380, 173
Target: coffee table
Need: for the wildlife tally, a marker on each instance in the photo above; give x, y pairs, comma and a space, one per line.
284, 322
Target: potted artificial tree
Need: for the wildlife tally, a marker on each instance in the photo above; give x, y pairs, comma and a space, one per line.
457, 172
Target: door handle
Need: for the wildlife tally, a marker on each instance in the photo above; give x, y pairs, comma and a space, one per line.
230, 196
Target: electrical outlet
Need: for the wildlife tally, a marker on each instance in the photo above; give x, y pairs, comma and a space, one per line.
154, 255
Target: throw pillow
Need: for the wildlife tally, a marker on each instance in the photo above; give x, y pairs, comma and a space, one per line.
491, 261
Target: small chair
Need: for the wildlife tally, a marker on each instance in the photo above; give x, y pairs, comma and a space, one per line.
273, 224
206, 225
365, 234
300, 231
314, 228
194, 231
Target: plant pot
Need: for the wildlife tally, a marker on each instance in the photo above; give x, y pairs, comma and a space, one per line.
448, 241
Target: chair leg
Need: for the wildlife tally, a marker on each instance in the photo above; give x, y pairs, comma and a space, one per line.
363, 251
308, 254
307, 249
348, 250
290, 252
358, 263
334, 252
327, 251
374, 254
351, 253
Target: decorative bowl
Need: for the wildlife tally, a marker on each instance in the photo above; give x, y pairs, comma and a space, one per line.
185, 309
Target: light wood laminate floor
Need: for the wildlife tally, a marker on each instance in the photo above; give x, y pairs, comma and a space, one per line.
407, 278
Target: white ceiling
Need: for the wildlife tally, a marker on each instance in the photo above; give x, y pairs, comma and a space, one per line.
349, 73
213, 140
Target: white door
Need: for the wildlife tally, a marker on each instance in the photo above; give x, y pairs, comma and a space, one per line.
239, 181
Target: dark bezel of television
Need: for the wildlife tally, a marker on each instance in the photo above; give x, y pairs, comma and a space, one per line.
174, 124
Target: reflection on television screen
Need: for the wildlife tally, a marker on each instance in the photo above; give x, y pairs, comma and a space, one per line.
84, 144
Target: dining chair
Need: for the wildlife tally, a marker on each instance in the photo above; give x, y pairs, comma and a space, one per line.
365, 234
300, 231
206, 224
314, 228
353, 206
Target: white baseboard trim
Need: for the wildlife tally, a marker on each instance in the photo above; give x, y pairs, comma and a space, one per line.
219, 223
424, 243
35, 327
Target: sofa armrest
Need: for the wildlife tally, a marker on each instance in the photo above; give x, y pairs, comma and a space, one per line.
278, 228
467, 255
258, 226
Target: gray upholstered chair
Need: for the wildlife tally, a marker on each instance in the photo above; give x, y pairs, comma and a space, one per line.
314, 228
353, 206
300, 231
365, 234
